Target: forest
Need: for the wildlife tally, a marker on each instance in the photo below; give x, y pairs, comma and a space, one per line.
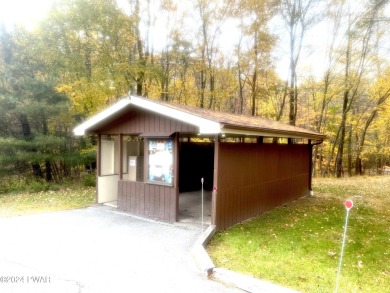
319, 64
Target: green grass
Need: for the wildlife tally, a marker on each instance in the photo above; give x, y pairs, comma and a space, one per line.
62, 198
298, 245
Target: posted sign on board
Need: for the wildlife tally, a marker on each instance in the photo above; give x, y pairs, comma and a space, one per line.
161, 161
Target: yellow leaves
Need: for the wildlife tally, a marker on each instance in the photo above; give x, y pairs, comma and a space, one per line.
382, 86
63, 88
88, 97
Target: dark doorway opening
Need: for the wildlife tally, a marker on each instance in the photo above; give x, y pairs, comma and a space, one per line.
196, 161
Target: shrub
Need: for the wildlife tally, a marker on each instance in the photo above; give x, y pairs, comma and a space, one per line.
54, 187
37, 186
12, 184
89, 180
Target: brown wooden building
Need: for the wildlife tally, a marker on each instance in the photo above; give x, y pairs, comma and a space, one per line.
149, 152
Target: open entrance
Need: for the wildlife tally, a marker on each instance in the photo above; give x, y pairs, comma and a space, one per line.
196, 161
114, 167
108, 176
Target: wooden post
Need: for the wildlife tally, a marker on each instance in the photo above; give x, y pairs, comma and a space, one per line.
214, 199
99, 155
98, 163
146, 159
176, 173
120, 137
310, 165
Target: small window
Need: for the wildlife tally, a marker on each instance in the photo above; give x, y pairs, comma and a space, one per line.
133, 158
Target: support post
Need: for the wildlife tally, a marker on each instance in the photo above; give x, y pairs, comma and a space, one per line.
120, 143
99, 155
214, 199
98, 163
310, 166
176, 173
146, 158
202, 181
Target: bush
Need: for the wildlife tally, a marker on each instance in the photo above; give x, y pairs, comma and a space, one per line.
89, 180
38, 186
12, 184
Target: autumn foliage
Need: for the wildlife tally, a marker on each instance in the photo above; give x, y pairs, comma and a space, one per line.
221, 55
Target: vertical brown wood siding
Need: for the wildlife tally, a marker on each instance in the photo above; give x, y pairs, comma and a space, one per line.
154, 201
141, 198
250, 178
137, 121
254, 178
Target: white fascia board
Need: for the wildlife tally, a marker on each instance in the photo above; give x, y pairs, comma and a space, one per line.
205, 126
265, 134
80, 130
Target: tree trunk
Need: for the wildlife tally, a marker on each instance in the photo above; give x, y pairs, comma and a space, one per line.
88, 56
340, 151
241, 91
295, 99
165, 77
26, 129
212, 90
255, 70
321, 157
202, 87
358, 165
141, 56
315, 159
48, 171
330, 156
281, 110
349, 161
254, 81
240, 81
291, 116
358, 161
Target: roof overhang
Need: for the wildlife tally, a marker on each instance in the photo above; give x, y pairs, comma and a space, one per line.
205, 126
100, 117
227, 129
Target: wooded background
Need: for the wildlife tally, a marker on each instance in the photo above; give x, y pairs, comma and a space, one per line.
221, 55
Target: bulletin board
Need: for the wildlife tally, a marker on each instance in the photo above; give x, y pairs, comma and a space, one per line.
160, 161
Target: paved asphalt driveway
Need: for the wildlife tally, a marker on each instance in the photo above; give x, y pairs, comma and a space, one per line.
98, 249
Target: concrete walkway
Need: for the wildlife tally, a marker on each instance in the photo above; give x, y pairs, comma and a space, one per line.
190, 207
98, 249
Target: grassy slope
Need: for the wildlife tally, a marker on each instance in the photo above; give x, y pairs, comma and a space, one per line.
23, 203
298, 245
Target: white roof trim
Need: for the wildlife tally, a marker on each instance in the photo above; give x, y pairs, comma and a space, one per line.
80, 130
205, 126
269, 133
